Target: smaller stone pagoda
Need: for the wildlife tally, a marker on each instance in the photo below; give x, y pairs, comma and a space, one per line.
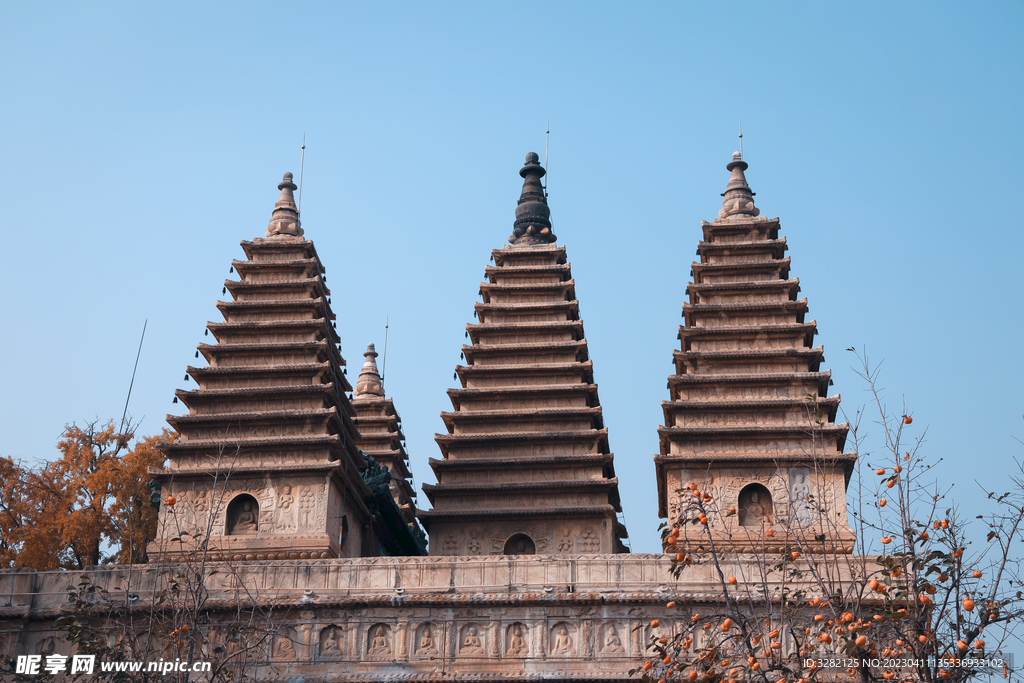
380, 436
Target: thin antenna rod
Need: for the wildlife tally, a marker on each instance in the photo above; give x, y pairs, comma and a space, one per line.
384, 365
547, 137
132, 383
302, 163
741, 138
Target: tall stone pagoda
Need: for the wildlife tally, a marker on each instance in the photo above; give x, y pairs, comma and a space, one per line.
266, 465
380, 436
749, 418
526, 466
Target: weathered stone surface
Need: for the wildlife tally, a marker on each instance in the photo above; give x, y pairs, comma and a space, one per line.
749, 420
526, 464
380, 435
267, 465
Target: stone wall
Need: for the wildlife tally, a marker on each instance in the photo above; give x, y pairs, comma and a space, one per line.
430, 617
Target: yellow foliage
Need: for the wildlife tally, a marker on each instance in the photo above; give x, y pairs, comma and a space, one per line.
90, 506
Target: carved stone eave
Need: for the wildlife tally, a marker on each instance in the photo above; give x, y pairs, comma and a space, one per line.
778, 267
491, 272
790, 287
798, 307
322, 416
597, 439
815, 381
777, 248
578, 347
514, 513
252, 247
457, 396
566, 287
569, 485
195, 397
748, 332
739, 226
760, 432
222, 330
829, 406
501, 255
574, 327
311, 266
525, 416
485, 310
605, 459
467, 372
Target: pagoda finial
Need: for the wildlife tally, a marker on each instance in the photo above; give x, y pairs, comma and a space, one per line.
532, 225
284, 222
369, 383
739, 200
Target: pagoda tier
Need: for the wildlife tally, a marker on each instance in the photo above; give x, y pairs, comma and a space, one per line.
526, 466
380, 436
749, 420
266, 464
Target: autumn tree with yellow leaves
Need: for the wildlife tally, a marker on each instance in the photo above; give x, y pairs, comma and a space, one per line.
89, 506
938, 603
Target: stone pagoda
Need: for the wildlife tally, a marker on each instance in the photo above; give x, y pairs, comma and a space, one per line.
749, 418
266, 464
526, 466
380, 436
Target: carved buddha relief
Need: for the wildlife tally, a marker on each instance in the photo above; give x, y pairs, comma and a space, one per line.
800, 496
378, 642
565, 541
562, 640
470, 641
426, 641
243, 516
332, 642
755, 506
284, 646
285, 510
518, 638
611, 641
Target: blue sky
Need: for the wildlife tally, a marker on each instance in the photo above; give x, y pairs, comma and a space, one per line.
141, 142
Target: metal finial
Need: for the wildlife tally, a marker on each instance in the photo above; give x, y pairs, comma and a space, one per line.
741, 144
547, 137
302, 163
387, 319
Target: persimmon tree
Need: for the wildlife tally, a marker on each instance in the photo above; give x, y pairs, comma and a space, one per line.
89, 506
938, 602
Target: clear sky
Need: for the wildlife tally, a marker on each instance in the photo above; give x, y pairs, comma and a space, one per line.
140, 142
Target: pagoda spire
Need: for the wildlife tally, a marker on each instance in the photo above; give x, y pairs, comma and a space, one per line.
532, 224
284, 221
369, 383
739, 200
